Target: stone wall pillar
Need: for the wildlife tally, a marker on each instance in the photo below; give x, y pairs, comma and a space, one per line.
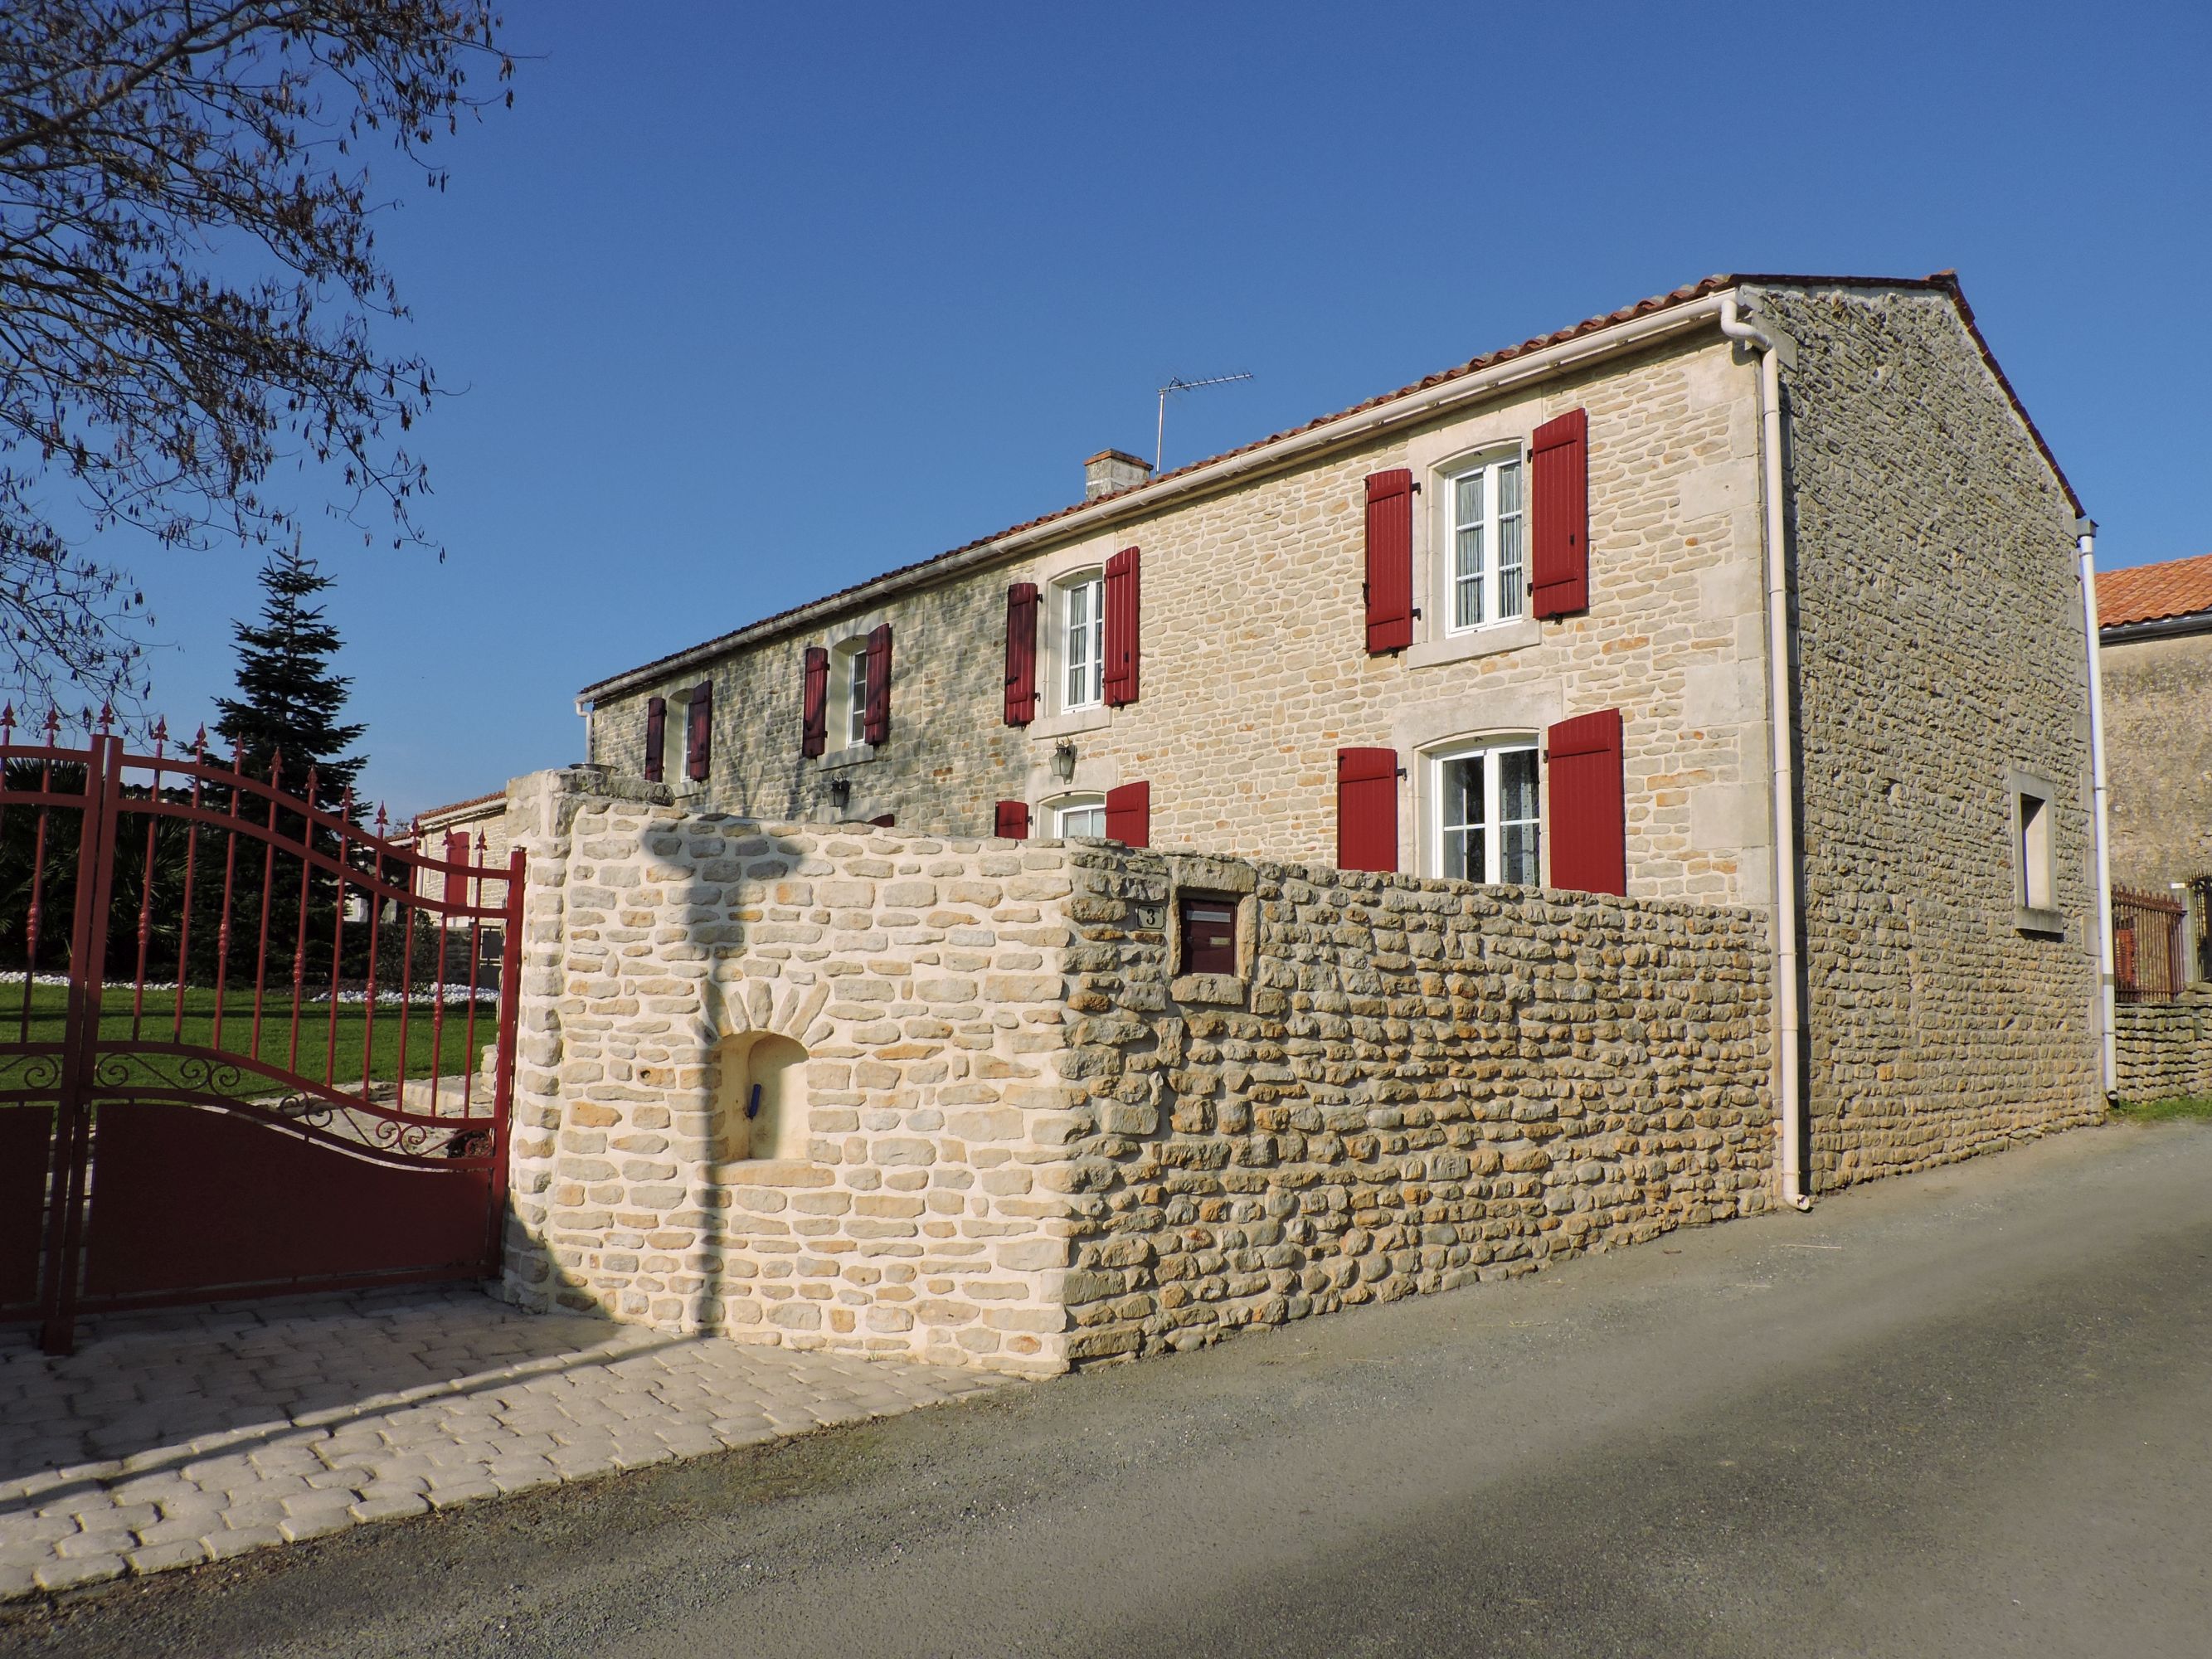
541, 812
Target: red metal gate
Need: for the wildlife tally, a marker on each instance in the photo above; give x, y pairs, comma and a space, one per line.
2148, 963
257, 1070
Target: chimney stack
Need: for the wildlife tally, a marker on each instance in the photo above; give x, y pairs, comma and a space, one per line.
1109, 471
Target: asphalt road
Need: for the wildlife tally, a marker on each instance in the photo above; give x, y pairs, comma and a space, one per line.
1967, 1413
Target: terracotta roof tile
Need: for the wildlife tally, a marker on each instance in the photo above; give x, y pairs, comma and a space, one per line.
2154, 592
432, 814
1944, 282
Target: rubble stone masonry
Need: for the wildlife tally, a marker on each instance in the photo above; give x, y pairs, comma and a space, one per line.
1414, 1085
1029, 1140
2164, 1049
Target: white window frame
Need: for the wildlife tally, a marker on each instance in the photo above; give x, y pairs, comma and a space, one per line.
1490, 747
1092, 693
1501, 590
848, 692
1056, 811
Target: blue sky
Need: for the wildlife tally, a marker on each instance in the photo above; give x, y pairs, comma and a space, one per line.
752, 302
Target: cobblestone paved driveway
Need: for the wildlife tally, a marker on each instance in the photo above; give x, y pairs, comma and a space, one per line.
173, 1439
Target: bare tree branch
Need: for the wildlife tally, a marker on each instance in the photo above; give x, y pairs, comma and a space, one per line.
153, 154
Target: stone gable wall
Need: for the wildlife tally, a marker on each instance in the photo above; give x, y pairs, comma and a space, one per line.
1254, 670
1418, 1085
1940, 646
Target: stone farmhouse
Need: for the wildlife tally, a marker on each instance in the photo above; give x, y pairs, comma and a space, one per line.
1639, 776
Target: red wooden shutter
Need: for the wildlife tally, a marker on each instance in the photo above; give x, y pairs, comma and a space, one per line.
1121, 611
1021, 654
814, 703
656, 736
698, 732
456, 852
1390, 588
1013, 822
1584, 804
1559, 506
876, 721
1367, 809
1129, 815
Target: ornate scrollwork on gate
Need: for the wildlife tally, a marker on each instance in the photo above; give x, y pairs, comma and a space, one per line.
205, 1074
29, 1074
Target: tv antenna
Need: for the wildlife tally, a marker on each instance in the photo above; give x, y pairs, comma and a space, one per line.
1176, 383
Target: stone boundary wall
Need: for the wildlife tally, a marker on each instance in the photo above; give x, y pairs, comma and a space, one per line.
2163, 1049
1415, 1085
918, 1216
1029, 1141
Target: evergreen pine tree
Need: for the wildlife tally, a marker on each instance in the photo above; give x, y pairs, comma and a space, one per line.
289, 699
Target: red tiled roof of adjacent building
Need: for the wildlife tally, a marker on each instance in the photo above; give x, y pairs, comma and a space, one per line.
2154, 592
452, 808
1944, 282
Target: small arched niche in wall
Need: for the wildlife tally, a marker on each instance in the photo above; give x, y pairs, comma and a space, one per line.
760, 1097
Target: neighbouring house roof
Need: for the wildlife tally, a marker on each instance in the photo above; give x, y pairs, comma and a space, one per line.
477, 807
911, 575
2154, 592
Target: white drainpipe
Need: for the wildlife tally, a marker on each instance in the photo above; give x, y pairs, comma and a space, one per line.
1787, 1020
2085, 542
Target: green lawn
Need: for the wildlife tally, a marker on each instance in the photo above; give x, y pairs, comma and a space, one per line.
2180, 1109
318, 1039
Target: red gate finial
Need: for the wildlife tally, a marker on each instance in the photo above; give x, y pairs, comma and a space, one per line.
53, 726
8, 723
160, 734
107, 718
199, 743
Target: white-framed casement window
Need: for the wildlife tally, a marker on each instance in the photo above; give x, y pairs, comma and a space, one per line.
1484, 819
848, 692
1079, 630
1485, 576
1076, 815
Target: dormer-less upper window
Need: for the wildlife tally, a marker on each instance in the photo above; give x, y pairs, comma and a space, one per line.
1082, 639
1485, 567
854, 702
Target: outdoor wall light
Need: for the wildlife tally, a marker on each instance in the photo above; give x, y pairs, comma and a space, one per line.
1063, 761
841, 793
